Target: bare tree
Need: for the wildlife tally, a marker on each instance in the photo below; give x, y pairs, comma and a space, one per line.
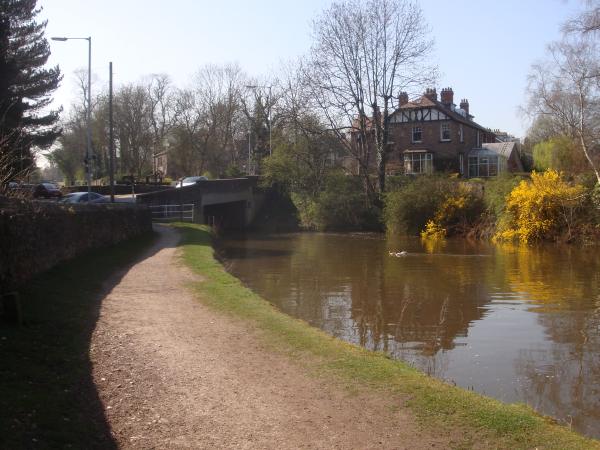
258, 103
365, 52
188, 154
69, 152
306, 149
162, 111
566, 88
587, 22
134, 129
219, 90
209, 122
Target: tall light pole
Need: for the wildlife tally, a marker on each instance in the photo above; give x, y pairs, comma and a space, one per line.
88, 113
249, 151
256, 86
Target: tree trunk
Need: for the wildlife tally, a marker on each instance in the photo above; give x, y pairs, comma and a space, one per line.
582, 130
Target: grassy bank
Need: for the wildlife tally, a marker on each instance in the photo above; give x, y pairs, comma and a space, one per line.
482, 421
47, 395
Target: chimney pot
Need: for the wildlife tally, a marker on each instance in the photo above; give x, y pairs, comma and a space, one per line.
464, 105
431, 94
447, 97
402, 98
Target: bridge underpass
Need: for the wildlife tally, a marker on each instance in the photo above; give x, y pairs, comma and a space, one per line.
226, 216
227, 204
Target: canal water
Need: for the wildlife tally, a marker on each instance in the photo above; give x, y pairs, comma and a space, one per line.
518, 324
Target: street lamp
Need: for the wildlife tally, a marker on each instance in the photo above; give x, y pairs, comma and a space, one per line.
88, 151
256, 86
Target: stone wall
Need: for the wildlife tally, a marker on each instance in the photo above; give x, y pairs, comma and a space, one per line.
35, 236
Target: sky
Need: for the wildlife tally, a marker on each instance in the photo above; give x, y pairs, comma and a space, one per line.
483, 49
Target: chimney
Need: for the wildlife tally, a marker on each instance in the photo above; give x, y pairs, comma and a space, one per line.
464, 105
402, 98
431, 94
447, 97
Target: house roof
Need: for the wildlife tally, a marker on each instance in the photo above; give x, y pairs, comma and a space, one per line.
501, 148
419, 103
426, 102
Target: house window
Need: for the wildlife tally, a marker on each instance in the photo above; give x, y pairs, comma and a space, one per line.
461, 135
461, 169
417, 134
483, 166
418, 162
445, 131
478, 139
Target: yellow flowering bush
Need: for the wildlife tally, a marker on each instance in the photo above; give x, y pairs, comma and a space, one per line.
543, 208
455, 214
433, 230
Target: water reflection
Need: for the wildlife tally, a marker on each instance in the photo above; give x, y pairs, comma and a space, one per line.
515, 323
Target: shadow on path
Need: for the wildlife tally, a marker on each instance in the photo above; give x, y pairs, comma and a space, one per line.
47, 394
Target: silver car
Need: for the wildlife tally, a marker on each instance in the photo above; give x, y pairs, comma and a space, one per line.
189, 181
82, 197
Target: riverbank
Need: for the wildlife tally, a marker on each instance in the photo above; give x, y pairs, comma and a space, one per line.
483, 422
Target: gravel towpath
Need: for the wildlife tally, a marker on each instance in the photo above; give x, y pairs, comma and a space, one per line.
172, 373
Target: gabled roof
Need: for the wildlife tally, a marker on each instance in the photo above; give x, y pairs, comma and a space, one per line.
422, 102
426, 102
502, 148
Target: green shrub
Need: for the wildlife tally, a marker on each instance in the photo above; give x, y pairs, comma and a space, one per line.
495, 193
233, 172
433, 204
409, 208
560, 153
342, 205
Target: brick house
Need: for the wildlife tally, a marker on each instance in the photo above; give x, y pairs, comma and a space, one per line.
435, 135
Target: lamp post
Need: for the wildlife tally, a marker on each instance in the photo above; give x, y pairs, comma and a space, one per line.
249, 151
88, 114
256, 86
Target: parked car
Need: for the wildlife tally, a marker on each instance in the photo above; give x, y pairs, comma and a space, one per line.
189, 181
46, 190
82, 197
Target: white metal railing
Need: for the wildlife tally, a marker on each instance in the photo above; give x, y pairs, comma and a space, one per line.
168, 213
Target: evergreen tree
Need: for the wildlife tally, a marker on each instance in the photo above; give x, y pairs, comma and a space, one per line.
25, 87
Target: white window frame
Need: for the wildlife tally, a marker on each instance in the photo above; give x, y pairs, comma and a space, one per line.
461, 134
448, 129
422, 160
414, 130
481, 166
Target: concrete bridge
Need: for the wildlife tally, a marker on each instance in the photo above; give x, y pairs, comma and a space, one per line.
230, 203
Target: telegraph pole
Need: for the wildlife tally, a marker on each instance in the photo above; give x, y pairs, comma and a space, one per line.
111, 141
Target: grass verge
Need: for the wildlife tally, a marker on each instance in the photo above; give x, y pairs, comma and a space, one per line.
483, 421
47, 395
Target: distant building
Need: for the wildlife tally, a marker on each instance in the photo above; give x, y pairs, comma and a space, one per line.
437, 135
160, 164
503, 136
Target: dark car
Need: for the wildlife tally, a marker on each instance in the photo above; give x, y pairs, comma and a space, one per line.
46, 190
83, 197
